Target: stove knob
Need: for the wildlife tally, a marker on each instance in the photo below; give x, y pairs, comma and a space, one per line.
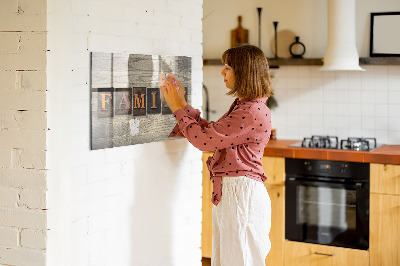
343, 168
308, 166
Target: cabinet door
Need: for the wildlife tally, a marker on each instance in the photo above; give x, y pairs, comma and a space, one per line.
304, 254
385, 178
274, 168
206, 226
384, 230
277, 233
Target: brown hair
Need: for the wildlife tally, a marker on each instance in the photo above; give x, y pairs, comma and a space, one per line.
250, 66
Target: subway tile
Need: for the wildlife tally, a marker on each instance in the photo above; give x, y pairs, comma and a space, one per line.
394, 71
381, 84
303, 82
394, 110
329, 109
355, 122
394, 123
394, 83
381, 123
394, 137
394, 97
342, 96
304, 72
342, 109
316, 72
381, 97
367, 110
342, 122
354, 81
355, 132
367, 96
329, 94
380, 71
316, 83
291, 71
367, 133
367, 122
342, 82
292, 82
381, 110
355, 96
382, 136
355, 109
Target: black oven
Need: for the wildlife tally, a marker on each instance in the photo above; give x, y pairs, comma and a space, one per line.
327, 202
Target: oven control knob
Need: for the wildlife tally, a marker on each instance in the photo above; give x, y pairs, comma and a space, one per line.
343, 168
308, 166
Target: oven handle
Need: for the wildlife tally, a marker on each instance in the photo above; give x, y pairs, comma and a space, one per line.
357, 185
324, 254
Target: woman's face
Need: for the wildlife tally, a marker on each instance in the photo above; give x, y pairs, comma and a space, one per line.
229, 76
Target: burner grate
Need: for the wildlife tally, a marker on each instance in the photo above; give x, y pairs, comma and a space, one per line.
358, 144
327, 142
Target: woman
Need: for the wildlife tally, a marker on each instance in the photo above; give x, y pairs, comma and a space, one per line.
242, 208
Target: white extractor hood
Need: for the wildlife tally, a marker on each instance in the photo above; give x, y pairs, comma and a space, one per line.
341, 51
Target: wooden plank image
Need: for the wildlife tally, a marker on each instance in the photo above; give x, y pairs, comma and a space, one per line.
126, 107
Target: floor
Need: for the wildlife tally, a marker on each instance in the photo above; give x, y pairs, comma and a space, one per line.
206, 261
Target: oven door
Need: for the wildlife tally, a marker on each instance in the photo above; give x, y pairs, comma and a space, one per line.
327, 213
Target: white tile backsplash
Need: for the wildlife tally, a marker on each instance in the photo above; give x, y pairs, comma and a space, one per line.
342, 103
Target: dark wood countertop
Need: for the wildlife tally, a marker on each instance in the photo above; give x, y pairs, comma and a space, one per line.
389, 154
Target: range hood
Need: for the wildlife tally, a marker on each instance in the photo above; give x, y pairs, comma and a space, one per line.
341, 51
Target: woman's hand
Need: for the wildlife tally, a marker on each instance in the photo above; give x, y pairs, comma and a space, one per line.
181, 92
174, 94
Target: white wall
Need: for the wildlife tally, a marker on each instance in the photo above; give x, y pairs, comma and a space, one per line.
311, 102
133, 205
23, 133
306, 19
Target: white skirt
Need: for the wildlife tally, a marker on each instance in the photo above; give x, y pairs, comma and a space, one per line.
241, 223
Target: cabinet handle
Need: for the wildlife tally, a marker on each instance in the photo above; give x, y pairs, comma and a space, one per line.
324, 254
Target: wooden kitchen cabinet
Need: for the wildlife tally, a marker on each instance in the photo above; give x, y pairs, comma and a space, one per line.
385, 178
305, 254
385, 215
274, 168
277, 233
206, 225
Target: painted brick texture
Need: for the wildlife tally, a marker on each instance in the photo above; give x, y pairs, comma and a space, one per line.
134, 205
23, 132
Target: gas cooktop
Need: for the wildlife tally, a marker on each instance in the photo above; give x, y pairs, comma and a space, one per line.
332, 142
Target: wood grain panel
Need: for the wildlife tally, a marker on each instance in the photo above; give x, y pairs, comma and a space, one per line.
304, 254
384, 230
277, 233
274, 168
206, 232
385, 178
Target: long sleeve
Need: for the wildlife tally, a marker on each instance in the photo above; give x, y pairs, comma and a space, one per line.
193, 113
231, 130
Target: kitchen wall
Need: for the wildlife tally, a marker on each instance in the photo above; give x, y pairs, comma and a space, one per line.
342, 103
133, 205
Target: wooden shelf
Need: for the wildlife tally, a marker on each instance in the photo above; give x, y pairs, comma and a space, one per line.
380, 61
274, 63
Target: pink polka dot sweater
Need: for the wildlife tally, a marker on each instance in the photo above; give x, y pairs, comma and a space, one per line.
238, 139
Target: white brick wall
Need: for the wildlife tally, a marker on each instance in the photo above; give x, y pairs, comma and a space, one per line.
23, 132
134, 205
